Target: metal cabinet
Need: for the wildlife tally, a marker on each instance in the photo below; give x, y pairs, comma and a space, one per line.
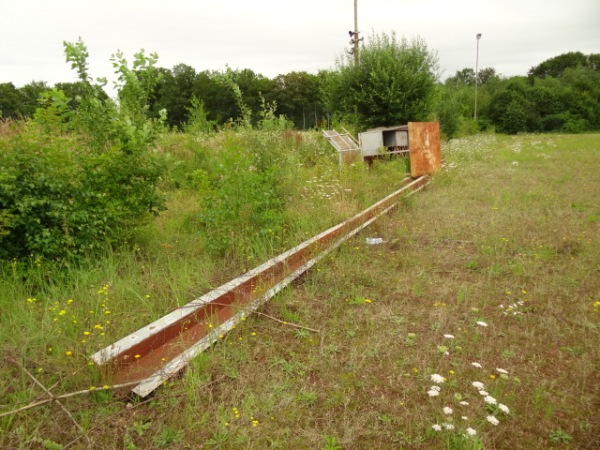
418, 140
378, 141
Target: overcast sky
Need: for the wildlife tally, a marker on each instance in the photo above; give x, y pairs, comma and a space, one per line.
272, 37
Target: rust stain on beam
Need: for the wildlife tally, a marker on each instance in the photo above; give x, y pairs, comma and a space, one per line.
158, 351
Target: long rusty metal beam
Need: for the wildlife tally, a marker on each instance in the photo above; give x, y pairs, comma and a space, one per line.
160, 350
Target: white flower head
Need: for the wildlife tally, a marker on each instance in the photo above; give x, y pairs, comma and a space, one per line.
499, 370
464, 403
447, 410
464, 418
478, 385
483, 393
437, 379
449, 426
492, 420
489, 399
471, 431
482, 324
436, 427
449, 336
504, 408
433, 393
476, 364
436, 388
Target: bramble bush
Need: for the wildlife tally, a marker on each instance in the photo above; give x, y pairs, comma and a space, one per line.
73, 182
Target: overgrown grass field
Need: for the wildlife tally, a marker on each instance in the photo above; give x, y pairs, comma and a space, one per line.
476, 324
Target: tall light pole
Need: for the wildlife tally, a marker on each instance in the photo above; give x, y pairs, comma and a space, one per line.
477, 36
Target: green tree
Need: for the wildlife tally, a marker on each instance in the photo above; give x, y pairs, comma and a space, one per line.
554, 67
30, 97
464, 77
394, 83
297, 96
10, 101
75, 92
253, 87
219, 102
511, 111
174, 93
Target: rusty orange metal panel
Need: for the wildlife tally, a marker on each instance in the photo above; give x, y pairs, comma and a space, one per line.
425, 148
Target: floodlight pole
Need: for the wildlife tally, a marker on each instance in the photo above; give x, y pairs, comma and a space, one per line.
477, 36
356, 40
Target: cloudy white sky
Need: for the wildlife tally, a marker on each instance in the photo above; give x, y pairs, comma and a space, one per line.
279, 36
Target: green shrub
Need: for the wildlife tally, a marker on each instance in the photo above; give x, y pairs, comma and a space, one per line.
242, 206
59, 199
71, 183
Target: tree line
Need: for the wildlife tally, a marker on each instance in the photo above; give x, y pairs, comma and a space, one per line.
396, 81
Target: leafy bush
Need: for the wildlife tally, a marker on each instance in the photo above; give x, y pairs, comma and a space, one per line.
71, 182
242, 206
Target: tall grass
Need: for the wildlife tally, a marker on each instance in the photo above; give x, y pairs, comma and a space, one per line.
488, 275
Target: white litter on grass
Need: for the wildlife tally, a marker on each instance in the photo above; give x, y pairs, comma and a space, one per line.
374, 241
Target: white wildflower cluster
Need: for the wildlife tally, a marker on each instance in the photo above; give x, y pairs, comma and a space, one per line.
471, 146
447, 425
493, 407
434, 391
490, 400
478, 385
437, 379
492, 419
517, 146
323, 188
512, 309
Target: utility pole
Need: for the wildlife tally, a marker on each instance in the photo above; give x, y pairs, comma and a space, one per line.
477, 36
356, 40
